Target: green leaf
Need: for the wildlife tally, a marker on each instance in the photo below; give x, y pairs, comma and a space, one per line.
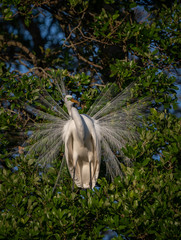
146, 161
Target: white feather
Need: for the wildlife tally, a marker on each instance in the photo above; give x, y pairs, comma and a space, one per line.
108, 126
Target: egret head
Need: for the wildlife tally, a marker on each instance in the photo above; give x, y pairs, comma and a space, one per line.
69, 100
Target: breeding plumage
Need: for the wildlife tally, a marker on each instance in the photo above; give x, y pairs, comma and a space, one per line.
87, 138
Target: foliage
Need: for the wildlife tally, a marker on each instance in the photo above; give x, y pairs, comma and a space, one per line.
91, 43
144, 204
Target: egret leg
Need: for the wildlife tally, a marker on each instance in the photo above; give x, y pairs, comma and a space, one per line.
90, 184
90, 158
74, 175
73, 180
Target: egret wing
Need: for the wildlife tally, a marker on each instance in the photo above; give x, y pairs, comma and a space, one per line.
46, 139
103, 102
96, 154
68, 140
116, 124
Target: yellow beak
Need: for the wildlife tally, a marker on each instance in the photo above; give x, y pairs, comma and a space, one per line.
74, 101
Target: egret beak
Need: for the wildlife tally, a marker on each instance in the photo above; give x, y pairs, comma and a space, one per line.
74, 101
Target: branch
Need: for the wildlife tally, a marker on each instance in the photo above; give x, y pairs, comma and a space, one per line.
45, 74
74, 28
25, 49
84, 59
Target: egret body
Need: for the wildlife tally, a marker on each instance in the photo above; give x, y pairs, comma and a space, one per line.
81, 147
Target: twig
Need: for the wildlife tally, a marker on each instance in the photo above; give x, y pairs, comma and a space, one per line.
96, 84
74, 28
25, 49
39, 68
84, 59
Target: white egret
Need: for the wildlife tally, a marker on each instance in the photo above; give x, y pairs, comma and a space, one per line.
82, 147
107, 127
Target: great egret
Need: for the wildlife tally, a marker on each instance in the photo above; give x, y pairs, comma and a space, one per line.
82, 147
103, 131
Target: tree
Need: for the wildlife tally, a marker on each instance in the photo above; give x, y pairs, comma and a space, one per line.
93, 43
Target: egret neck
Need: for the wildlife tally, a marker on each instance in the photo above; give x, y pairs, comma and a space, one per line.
78, 123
